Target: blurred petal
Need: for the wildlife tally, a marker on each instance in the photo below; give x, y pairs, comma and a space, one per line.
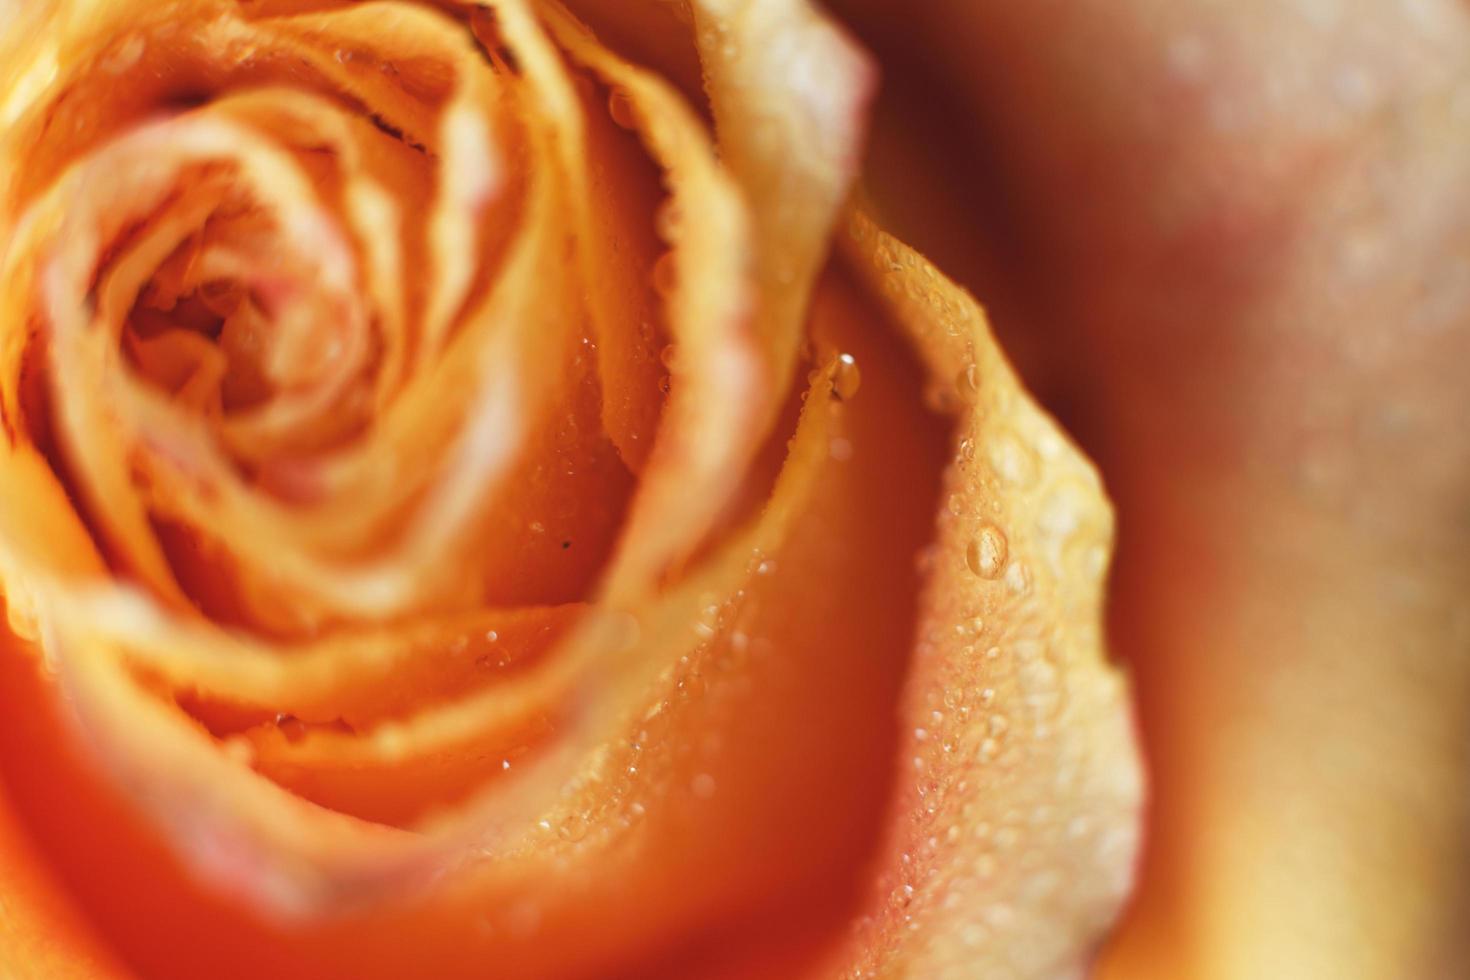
42, 936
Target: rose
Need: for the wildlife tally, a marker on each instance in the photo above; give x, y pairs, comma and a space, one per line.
460, 517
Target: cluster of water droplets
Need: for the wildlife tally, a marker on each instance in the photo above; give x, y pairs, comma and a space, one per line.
711, 677
999, 753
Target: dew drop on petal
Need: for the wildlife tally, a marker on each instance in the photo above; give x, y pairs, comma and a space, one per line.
967, 382
573, 827
986, 554
620, 107
846, 378
292, 727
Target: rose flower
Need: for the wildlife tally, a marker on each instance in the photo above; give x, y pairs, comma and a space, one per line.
480, 495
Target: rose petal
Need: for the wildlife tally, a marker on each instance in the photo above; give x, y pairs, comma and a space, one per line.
1014, 829
42, 936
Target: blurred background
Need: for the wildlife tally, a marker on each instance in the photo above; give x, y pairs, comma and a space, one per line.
1226, 243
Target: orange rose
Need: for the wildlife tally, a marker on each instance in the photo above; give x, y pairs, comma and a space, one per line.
461, 517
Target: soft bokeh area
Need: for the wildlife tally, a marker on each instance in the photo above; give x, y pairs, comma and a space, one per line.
1226, 242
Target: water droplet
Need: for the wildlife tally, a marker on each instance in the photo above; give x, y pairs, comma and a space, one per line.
955, 504
846, 378
840, 449
767, 567
292, 727
986, 554
573, 828
492, 636
967, 382
692, 685
703, 786
710, 620
1018, 578
620, 107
